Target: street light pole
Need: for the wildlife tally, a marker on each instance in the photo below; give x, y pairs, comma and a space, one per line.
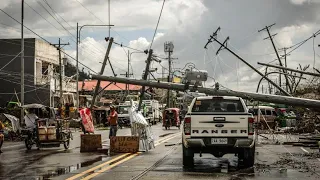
79, 28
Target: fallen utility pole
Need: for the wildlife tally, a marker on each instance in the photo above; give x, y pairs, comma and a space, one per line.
294, 101
145, 77
101, 72
257, 71
289, 69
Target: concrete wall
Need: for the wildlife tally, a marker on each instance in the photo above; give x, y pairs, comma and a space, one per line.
10, 75
46, 52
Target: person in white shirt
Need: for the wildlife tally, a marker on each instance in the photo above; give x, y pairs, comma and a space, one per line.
30, 119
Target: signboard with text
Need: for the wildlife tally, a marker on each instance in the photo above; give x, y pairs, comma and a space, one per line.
124, 144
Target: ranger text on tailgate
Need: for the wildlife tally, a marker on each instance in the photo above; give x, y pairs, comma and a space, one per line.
218, 126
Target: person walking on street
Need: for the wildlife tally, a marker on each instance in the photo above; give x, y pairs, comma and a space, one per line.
1, 135
113, 121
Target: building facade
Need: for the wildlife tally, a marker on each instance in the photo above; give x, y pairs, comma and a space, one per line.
41, 70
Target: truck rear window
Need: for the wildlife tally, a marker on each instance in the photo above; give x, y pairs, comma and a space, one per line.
217, 105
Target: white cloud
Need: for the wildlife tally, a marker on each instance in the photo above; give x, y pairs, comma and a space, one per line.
188, 23
290, 33
298, 2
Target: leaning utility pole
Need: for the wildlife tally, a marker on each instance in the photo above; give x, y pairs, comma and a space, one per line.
275, 49
101, 72
145, 76
213, 37
22, 62
60, 70
168, 48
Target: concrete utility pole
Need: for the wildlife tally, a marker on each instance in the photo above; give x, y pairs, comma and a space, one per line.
294, 101
101, 72
169, 80
168, 48
22, 62
77, 71
275, 49
213, 37
127, 74
145, 76
60, 70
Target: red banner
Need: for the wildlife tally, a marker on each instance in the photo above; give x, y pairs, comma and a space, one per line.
87, 120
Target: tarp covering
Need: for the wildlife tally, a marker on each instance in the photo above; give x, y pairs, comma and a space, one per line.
27, 106
141, 128
87, 120
14, 122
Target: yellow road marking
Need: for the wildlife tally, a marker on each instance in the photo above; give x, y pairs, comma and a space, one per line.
97, 167
160, 141
109, 167
167, 139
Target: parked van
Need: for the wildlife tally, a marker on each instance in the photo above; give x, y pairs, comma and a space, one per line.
268, 114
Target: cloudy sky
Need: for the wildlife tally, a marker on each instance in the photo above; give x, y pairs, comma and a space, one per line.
187, 23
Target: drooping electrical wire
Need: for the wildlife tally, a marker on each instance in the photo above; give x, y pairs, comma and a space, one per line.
155, 32
45, 40
10, 61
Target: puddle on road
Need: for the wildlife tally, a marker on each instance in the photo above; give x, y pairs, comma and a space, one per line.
65, 170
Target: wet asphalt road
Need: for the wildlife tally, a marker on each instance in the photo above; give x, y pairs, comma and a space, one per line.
163, 162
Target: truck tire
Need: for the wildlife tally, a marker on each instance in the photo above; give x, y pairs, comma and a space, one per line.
246, 157
187, 158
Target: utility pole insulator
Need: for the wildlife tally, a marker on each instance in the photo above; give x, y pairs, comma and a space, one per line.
216, 86
214, 35
224, 45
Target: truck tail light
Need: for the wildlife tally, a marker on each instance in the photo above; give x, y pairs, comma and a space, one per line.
187, 126
250, 126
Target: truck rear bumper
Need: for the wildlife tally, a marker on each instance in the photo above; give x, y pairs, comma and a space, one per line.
203, 143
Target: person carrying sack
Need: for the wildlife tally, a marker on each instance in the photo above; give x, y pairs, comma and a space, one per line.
113, 121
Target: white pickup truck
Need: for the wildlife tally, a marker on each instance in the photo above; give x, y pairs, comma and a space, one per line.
218, 125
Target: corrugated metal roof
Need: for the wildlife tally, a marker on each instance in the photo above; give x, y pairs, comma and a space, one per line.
90, 85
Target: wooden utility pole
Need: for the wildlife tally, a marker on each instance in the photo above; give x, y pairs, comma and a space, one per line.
275, 49
60, 70
213, 37
145, 76
101, 71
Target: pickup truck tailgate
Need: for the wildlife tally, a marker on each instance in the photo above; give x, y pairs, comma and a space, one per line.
235, 125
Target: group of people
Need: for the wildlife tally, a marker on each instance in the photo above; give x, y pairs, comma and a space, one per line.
31, 117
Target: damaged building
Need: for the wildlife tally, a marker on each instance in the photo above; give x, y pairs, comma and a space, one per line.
41, 72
